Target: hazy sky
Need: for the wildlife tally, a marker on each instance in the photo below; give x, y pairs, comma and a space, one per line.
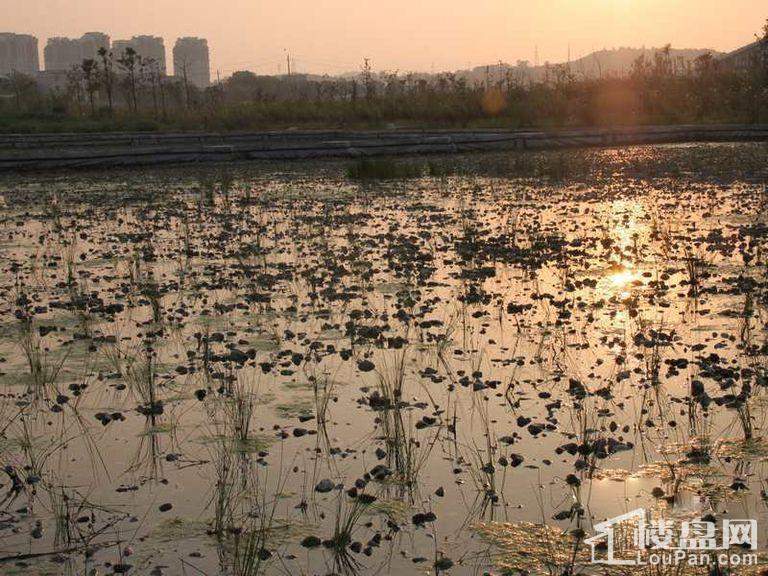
334, 36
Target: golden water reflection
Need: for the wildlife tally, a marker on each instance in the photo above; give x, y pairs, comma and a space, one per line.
626, 227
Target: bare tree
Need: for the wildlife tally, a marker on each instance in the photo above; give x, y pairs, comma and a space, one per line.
128, 62
24, 87
90, 75
75, 87
106, 63
186, 82
368, 81
149, 73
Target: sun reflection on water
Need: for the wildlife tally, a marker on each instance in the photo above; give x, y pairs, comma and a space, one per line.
626, 225
623, 278
623, 282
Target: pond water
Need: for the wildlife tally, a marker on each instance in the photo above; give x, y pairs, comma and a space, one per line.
275, 369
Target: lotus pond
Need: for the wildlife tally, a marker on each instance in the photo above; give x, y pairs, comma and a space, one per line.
294, 369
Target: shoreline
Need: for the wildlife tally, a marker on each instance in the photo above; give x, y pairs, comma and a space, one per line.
31, 152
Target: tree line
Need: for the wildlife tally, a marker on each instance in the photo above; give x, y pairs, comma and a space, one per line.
130, 92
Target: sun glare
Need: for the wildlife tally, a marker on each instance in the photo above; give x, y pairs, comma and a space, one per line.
623, 278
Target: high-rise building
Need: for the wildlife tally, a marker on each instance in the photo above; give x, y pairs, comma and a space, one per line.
67, 53
61, 54
92, 42
148, 47
191, 60
119, 46
18, 52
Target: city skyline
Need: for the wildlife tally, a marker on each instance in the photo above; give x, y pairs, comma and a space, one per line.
335, 36
21, 53
191, 55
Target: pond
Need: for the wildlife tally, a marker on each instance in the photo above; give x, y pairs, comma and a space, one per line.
292, 369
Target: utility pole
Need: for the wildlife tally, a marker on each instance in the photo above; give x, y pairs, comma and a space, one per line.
288, 59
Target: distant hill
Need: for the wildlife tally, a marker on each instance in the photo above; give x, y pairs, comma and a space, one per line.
620, 60
600, 64
616, 62
746, 55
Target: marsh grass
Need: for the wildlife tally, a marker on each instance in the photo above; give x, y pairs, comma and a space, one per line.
69, 257
226, 492
693, 269
383, 169
206, 185
79, 302
346, 520
226, 186
261, 531
44, 368
324, 396
484, 458
138, 367
244, 505
396, 426
239, 408
61, 507
150, 290
406, 454
530, 548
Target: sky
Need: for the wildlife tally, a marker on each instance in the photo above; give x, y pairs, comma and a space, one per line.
335, 36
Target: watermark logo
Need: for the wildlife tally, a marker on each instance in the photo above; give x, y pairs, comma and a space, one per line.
635, 539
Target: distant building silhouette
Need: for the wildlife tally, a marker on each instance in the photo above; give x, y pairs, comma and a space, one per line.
18, 52
191, 59
148, 47
91, 43
66, 53
119, 46
61, 54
